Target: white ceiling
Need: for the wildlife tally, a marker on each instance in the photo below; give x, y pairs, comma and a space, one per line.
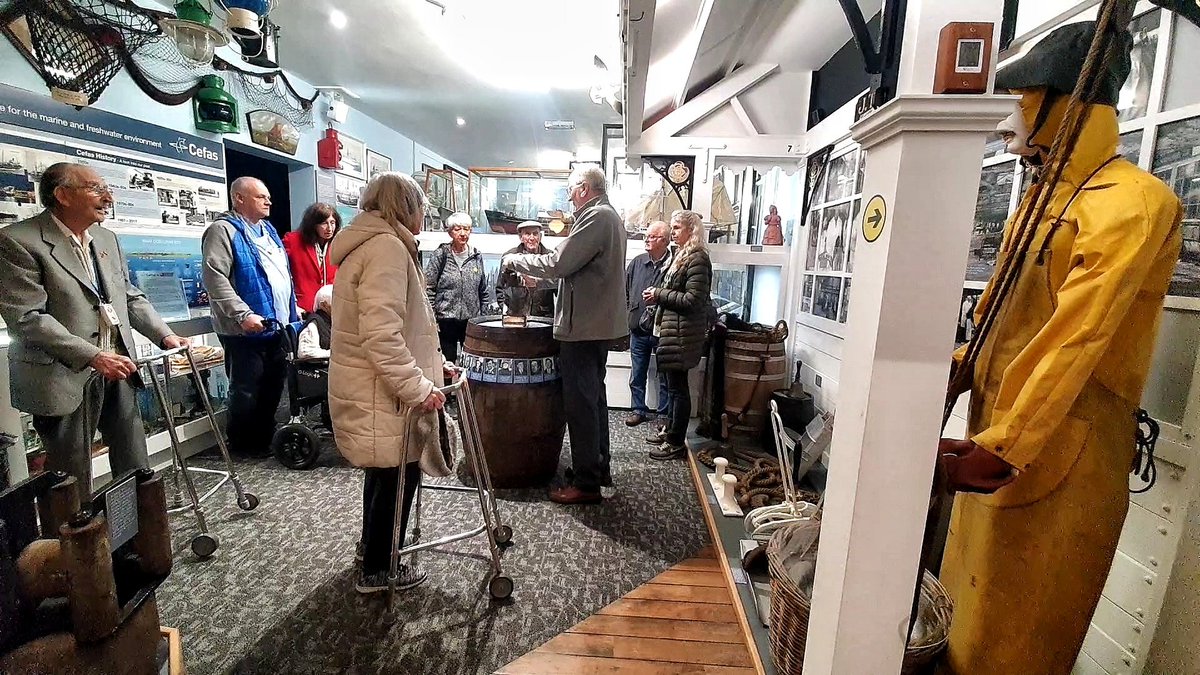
504, 67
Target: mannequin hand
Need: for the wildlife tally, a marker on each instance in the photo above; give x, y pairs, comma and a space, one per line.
434, 401
174, 341
113, 366
253, 324
970, 468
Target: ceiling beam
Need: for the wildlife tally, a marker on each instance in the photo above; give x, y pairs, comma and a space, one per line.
637, 23
694, 40
753, 30
743, 116
705, 103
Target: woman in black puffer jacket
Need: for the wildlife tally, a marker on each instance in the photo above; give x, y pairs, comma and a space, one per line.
681, 323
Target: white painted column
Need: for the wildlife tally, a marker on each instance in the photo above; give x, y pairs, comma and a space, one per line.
923, 155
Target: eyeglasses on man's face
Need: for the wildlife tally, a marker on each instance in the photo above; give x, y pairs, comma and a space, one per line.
94, 188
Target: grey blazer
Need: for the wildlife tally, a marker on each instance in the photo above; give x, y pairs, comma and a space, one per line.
52, 312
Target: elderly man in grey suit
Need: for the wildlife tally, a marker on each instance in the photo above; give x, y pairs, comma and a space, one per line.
590, 267
71, 310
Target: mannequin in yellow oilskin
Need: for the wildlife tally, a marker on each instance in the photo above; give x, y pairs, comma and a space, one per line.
1043, 476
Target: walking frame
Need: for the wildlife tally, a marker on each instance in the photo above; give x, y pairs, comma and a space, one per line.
203, 544
498, 534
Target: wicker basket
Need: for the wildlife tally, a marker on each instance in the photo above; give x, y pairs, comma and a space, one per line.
760, 335
790, 609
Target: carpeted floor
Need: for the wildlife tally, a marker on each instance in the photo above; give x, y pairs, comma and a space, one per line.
279, 595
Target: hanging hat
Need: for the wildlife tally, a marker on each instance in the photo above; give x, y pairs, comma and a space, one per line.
1057, 60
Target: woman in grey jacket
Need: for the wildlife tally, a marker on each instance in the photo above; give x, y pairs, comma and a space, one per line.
456, 284
681, 323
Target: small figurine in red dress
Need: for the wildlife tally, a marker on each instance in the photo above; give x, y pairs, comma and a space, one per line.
774, 234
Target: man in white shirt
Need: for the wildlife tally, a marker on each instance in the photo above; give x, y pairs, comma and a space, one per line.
249, 287
71, 310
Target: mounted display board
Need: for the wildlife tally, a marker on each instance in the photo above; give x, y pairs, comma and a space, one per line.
158, 176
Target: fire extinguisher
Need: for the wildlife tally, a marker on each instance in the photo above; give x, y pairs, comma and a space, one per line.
329, 150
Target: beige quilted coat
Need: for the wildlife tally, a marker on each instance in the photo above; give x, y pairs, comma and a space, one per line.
385, 357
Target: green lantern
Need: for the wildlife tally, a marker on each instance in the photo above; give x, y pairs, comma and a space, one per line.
214, 108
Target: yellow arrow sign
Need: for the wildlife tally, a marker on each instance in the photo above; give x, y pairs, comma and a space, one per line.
874, 218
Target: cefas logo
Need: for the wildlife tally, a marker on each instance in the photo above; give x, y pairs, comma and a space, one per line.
182, 146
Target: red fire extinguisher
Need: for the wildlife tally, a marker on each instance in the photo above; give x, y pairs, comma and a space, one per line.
329, 150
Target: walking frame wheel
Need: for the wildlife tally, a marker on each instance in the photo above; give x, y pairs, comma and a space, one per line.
500, 587
503, 534
205, 545
249, 502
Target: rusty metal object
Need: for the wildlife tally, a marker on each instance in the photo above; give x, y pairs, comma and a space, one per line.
93, 590
153, 540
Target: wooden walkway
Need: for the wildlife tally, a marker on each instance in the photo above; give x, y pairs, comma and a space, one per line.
682, 621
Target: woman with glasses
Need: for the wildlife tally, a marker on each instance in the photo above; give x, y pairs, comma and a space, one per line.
457, 285
307, 250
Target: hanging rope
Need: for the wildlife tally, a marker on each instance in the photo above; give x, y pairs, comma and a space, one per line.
1114, 16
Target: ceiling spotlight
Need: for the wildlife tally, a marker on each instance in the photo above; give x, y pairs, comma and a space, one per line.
459, 121
337, 18
195, 38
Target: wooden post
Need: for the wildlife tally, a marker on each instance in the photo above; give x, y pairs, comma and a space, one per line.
153, 540
93, 590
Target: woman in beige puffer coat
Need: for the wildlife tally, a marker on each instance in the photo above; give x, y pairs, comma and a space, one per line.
385, 363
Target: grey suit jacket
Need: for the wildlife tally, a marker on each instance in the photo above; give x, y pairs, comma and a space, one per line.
52, 312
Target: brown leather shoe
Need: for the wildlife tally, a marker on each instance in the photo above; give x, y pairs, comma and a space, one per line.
573, 495
635, 418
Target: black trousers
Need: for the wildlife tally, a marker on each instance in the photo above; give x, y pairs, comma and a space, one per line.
379, 513
681, 406
582, 366
451, 333
257, 370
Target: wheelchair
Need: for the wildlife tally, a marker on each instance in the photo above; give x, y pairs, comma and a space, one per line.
297, 444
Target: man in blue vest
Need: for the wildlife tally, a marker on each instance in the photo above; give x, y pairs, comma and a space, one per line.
246, 274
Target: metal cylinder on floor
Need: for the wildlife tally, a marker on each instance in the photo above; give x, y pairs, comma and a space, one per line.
517, 391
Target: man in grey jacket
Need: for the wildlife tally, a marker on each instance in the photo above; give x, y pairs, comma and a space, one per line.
249, 286
590, 267
71, 312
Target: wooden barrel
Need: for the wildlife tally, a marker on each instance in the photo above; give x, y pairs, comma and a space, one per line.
752, 371
514, 378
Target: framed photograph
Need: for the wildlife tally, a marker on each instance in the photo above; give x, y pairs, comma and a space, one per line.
272, 130
377, 164
354, 157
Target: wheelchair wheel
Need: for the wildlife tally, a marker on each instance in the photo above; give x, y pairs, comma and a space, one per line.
296, 446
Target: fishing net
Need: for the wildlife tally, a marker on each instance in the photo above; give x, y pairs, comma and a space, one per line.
78, 46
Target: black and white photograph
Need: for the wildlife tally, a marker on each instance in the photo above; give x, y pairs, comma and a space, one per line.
535, 371
377, 164
170, 217
840, 177
991, 212
196, 218
845, 309
187, 200
1134, 99
489, 369
855, 227
12, 161
966, 316
807, 294
521, 371
826, 301
140, 180
549, 368
1177, 163
167, 197
505, 372
831, 241
354, 157
814, 233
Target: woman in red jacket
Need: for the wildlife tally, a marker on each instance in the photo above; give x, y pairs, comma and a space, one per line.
306, 247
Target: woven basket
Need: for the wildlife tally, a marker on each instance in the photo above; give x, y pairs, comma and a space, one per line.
790, 610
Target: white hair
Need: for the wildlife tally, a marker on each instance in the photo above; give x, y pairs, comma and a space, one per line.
324, 296
698, 241
590, 175
458, 218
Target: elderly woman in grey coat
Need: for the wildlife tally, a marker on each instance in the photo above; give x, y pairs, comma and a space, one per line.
457, 284
681, 324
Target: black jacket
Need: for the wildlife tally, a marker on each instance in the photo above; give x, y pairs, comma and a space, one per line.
683, 313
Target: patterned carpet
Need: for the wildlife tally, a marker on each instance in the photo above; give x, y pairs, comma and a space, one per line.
279, 595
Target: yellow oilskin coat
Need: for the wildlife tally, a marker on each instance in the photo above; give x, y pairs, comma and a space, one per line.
1055, 389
